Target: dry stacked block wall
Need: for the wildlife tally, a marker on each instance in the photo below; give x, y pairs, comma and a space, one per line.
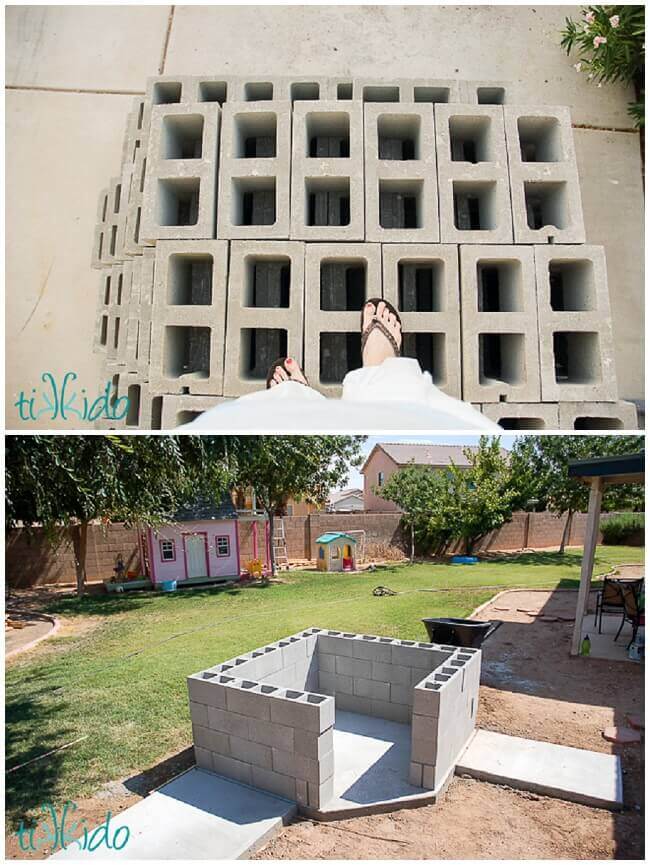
321, 192
267, 717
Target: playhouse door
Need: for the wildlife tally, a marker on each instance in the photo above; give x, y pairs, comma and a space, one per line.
195, 556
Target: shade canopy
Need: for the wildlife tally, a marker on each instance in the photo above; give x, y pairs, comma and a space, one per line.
623, 469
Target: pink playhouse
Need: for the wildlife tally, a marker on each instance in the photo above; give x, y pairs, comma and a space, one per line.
202, 543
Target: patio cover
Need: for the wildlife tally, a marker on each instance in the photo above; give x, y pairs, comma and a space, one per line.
599, 473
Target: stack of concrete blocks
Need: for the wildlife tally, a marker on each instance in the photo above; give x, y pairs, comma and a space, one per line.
459, 207
266, 718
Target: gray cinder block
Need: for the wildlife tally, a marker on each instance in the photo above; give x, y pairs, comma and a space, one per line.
266, 287
327, 201
274, 782
400, 173
338, 281
203, 758
421, 281
179, 200
523, 415
485, 92
546, 202
173, 410
575, 327
254, 172
187, 343
598, 415
473, 182
499, 324
235, 769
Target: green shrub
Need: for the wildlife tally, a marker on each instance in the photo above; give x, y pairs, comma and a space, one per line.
610, 41
622, 528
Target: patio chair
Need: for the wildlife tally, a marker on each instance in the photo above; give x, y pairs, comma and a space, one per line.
611, 600
632, 611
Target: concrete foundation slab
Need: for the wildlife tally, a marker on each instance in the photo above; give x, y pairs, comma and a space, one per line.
196, 816
541, 767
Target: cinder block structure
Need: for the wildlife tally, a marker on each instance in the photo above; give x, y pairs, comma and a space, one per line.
314, 193
473, 184
499, 324
338, 281
266, 289
421, 281
546, 203
267, 718
400, 173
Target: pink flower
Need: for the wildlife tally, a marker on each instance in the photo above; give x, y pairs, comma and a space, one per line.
577, 66
590, 17
599, 40
615, 20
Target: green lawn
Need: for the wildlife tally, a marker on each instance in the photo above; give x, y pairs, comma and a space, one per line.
121, 679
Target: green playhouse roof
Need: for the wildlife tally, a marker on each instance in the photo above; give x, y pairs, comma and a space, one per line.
328, 537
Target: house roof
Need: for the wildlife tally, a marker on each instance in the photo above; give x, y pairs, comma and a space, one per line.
328, 537
339, 495
205, 508
425, 454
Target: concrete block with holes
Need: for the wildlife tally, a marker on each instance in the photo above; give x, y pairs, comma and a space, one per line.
575, 327
499, 324
111, 225
266, 288
179, 198
254, 173
169, 411
400, 173
425, 90
546, 201
523, 415
421, 281
473, 183
619, 415
327, 200
339, 278
485, 92
188, 315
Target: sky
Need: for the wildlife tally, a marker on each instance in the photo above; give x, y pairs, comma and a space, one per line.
356, 479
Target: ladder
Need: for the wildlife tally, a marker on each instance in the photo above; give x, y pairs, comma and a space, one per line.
279, 542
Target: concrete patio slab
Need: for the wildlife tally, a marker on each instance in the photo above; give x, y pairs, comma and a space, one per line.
603, 645
586, 777
87, 47
196, 816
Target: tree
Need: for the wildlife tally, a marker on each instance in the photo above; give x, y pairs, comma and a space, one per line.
303, 467
541, 471
457, 502
66, 482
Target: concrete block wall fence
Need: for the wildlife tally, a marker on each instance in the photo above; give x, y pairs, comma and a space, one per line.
267, 717
311, 194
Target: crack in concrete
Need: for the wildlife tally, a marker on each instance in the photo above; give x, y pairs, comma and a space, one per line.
168, 33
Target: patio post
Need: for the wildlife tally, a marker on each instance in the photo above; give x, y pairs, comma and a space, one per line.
588, 555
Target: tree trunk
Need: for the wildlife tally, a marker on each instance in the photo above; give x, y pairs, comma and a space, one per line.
271, 545
566, 534
79, 545
412, 541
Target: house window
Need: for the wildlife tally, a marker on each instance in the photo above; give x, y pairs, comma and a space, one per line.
168, 551
380, 479
289, 510
223, 545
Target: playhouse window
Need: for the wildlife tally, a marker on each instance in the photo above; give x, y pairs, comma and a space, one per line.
168, 551
380, 479
223, 545
336, 552
321, 553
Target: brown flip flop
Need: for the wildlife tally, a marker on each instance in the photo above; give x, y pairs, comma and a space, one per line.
375, 324
280, 362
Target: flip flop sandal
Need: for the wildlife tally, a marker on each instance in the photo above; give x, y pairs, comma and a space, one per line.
280, 362
375, 324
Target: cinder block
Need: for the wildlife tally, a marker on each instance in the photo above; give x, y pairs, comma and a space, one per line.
339, 279
598, 416
199, 714
473, 183
109, 232
266, 287
312, 712
228, 722
269, 660
421, 281
321, 794
179, 198
523, 416
332, 645
371, 689
248, 699
235, 769
354, 667
416, 656
499, 324
169, 411
251, 752
206, 691
326, 663
392, 673
351, 703
211, 740
546, 202
430, 90
371, 649
401, 694
169, 89
428, 777
215, 88
400, 174
302, 792
575, 327
189, 311
203, 759
415, 774
254, 172
281, 785
426, 699
299, 766
257, 89
312, 745
391, 711
327, 201
485, 92
304, 89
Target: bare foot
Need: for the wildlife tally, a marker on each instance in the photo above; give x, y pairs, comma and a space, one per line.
377, 345
290, 371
